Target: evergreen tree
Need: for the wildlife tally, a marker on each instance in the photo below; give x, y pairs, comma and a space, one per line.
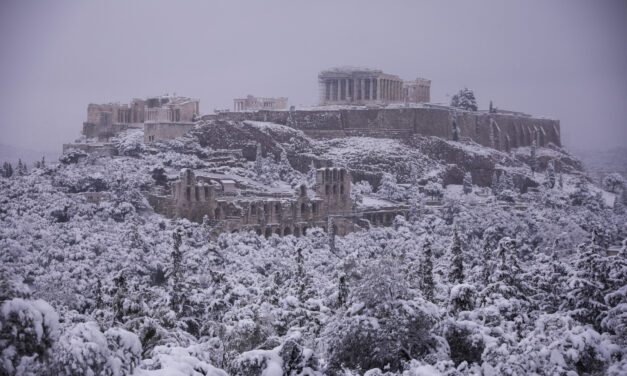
426, 272
21, 168
464, 99
560, 181
389, 188
121, 292
342, 293
467, 183
176, 274
302, 277
456, 275
7, 170
585, 298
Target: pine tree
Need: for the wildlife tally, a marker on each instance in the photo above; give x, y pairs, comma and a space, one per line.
99, 302
456, 274
585, 298
176, 273
426, 272
301, 276
342, 290
464, 99
467, 183
560, 181
7, 170
121, 293
21, 168
389, 188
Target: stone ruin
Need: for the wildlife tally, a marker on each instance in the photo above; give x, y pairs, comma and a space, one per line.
208, 200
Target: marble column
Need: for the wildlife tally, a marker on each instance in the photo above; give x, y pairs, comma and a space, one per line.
338, 90
362, 88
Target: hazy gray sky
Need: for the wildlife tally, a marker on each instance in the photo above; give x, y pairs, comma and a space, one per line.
565, 59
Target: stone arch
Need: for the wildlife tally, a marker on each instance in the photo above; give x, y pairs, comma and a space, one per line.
258, 231
305, 228
303, 210
297, 232
278, 231
334, 189
217, 213
287, 231
268, 232
507, 143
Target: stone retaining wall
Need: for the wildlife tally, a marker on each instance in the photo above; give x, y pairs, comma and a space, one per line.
499, 131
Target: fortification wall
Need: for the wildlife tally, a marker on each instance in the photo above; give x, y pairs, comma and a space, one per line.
499, 131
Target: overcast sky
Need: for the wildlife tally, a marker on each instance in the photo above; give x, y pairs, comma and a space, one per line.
563, 59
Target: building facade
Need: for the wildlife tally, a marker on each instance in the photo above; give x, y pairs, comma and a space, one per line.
107, 120
417, 91
359, 86
252, 103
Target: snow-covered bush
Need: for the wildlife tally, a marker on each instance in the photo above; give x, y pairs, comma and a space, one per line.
85, 350
130, 143
614, 182
28, 331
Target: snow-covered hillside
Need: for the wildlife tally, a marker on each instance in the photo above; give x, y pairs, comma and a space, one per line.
478, 280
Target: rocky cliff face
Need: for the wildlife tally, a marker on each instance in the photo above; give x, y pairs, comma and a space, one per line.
368, 158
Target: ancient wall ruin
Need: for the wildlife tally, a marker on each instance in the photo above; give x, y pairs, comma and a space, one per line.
499, 131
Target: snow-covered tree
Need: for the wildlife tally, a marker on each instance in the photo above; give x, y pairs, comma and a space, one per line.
434, 190
464, 99
427, 285
614, 182
389, 188
7, 170
456, 273
28, 332
586, 286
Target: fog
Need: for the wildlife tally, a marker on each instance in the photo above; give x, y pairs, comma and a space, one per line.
562, 59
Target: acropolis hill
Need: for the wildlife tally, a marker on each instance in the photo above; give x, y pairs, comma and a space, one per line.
359, 109
353, 102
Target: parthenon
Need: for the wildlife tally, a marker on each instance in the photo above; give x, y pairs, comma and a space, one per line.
368, 86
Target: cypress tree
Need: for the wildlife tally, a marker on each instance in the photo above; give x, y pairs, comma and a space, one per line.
426, 272
456, 274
